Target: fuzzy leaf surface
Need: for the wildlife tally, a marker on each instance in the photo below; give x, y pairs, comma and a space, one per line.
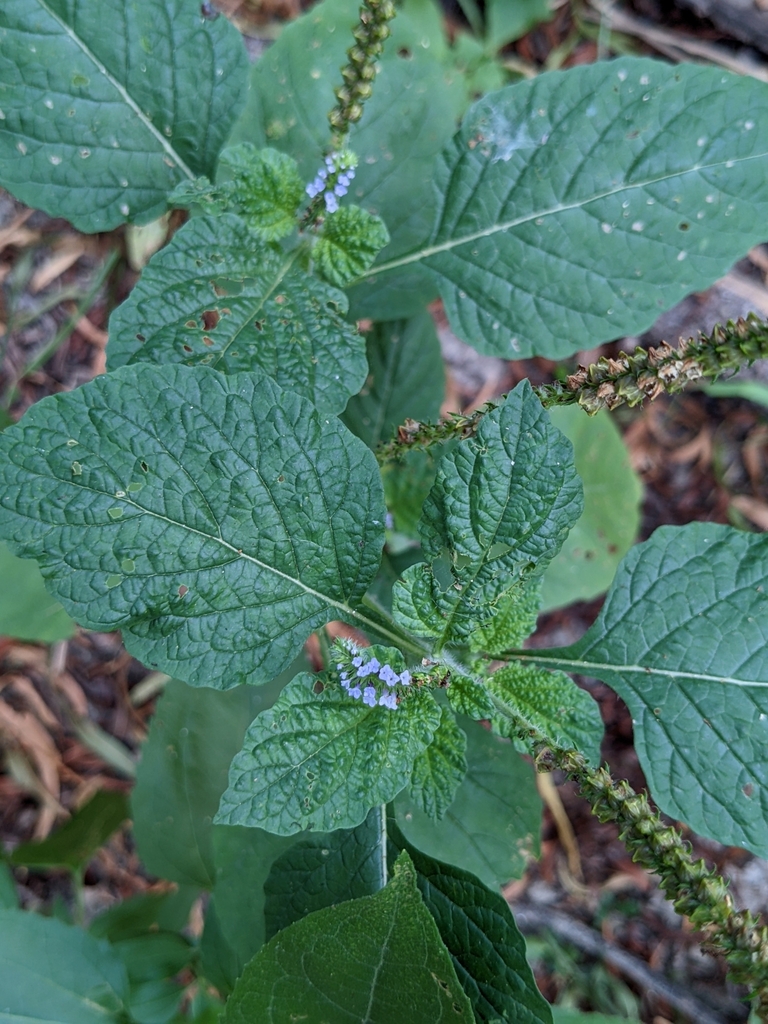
480, 933
266, 188
217, 296
501, 506
405, 379
377, 959
683, 638
576, 206
107, 105
323, 870
53, 972
411, 114
440, 769
549, 702
321, 761
492, 826
216, 520
348, 244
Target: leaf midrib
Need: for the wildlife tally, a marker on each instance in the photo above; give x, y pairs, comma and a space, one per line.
120, 89
239, 553
594, 668
260, 302
453, 243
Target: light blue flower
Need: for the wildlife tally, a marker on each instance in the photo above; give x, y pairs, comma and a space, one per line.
331, 202
369, 696
388, 700
389, 676
354, 691
405, 678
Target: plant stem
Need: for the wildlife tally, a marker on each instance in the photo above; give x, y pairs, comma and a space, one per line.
360, 70
648, 373
358, 73
611, 382
694, 889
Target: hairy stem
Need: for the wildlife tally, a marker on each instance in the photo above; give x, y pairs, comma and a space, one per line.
694, 889
648, 373
358, 73
610, 382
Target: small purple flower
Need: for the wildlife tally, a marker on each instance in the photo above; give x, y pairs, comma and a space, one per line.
344, 180
388, 676
339, 190
339, 666
331, 202
369, 696
405, 678
388, 700
354, 691
374, 665
357, 662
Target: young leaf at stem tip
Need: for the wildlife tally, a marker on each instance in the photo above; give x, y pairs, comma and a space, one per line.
321, 761
498, 512
348, 243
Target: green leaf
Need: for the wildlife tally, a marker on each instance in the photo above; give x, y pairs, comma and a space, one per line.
377, 959
193, 736
323, 870
216, 520
9, 899
217, 296
565, 1016
505, 22
234, 920
514, 619
407, 483
149, 912
50, 971
27, 610
613, 492
752, 390
151, 962
549, 702
482, 73
321, 761
348, 243
576, 206
411, 114
107, 105
492, 826
500, 507
478, 929
405, 379
74, 844
468, 697
267, 189
682, 638
440, 769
